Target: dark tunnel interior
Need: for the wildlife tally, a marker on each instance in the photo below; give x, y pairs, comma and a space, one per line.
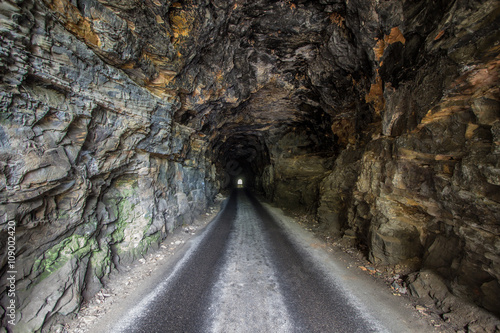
375, 121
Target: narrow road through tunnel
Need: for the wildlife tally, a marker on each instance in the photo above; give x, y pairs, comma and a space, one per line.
247, 273
375, 122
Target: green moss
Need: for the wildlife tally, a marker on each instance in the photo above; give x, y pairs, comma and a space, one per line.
75, 246
62, 215
112, 207
125, 215
145, 245
126, 185
126, 200
150, 241
123, 208
101, 262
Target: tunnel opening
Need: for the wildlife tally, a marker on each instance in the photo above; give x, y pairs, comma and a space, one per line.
242, 157
124, 120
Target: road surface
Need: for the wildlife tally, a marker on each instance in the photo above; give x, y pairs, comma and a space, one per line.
248, 272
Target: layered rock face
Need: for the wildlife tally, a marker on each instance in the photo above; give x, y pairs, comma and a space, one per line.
421, 186
121, 120
94, 170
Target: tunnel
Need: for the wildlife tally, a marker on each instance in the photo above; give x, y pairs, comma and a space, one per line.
122, 121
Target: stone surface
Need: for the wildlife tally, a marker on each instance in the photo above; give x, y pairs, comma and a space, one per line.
121, 120
459, 311
95, 173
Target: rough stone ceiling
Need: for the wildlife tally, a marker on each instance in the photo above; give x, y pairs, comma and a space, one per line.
257, 68
251, 79
121, 120
236, 67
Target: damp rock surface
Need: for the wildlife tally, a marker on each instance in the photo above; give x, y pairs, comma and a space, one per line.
122, 120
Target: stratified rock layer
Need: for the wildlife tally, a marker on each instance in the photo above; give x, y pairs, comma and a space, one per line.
121, 120
94, 171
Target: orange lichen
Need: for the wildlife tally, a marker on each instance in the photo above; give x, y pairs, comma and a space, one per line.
345, 130
74, 21
128, 65
394, 36
439, 35
379, 49
469, 133
219, 76
441, 112
181, 20
337, 19
376, 95
448, 169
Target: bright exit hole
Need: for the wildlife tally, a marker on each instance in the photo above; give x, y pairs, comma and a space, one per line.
240, 183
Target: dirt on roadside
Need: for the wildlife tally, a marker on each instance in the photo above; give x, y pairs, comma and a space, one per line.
123, 282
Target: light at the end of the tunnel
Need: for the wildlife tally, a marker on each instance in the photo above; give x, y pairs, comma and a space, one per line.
240, 182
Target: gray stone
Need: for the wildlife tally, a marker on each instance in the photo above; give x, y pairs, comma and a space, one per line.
121, 121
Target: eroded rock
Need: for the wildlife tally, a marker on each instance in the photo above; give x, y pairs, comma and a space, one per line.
121, 120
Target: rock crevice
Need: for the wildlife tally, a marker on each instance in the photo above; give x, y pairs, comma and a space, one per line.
121, 120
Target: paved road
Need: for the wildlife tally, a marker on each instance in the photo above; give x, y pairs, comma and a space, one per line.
245, 274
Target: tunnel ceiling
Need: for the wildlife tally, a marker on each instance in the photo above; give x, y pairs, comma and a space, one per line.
122, 120
245, 72
251, 80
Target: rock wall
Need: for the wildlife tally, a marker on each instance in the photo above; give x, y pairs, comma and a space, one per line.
93, 170
420, 185
292, 178
413, 173
437, 199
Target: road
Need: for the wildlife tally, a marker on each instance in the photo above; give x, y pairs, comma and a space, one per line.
249, 273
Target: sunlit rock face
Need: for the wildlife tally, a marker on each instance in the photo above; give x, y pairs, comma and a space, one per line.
121, 120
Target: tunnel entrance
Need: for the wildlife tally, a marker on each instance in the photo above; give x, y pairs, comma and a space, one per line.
124, 120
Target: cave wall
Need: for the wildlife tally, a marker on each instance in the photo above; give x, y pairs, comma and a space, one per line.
419, 186
430, 194
94, 171
122, 119
296, 168
412, 174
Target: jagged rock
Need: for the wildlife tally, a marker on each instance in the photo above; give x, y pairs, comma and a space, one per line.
394, 242
335, 193
462, 313
84, 173
121, 120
